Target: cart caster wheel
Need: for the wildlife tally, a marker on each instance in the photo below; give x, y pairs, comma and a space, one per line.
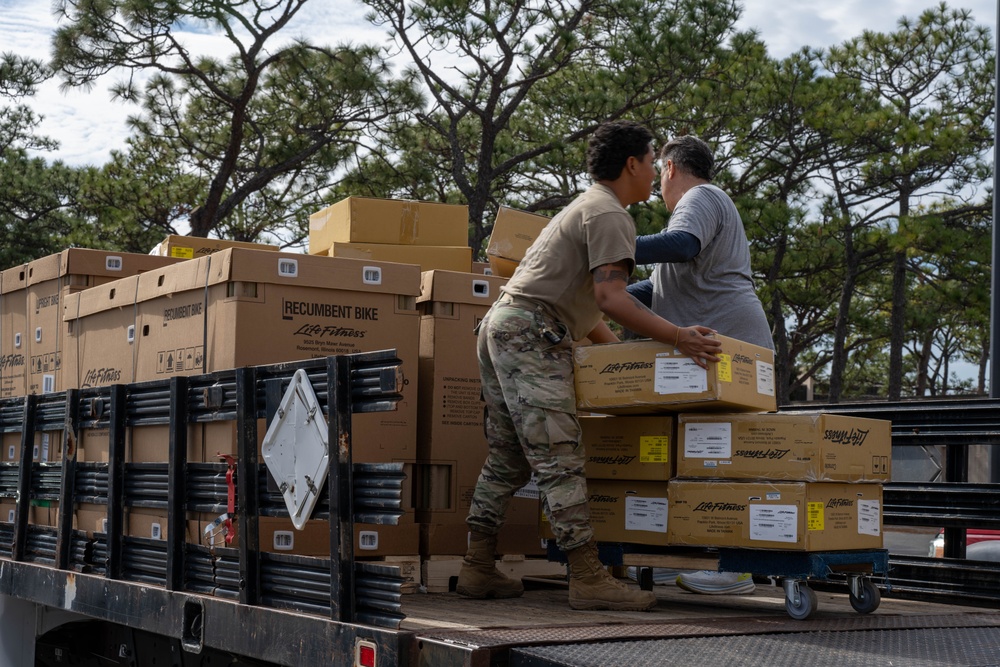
869, 599
804, 606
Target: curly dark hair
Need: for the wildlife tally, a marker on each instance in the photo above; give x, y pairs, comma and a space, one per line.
690, 154
612, 144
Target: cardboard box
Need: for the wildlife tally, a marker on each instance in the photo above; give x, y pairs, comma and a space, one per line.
451, 439
427, 257
646, 377
50, 280
47, 446
91, 518
149, 523
40, 512
632, 447
189, 247
366, 220
99, 335
246, 307
513, 233
633, 511
13, 332
792, 516
807, 447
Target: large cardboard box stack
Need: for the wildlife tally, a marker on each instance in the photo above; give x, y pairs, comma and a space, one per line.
629, 460
743, 475
451, 440
428, 234
189, 247
240, 307
34, 345
50, 280
513, 233
797, 481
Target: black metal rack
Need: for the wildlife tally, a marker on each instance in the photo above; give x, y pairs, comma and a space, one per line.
186, 590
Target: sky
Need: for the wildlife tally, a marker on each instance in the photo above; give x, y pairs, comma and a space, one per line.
88, 124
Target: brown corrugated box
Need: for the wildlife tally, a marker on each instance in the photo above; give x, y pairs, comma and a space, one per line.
631, 447
624, 510
49, 282
189, 247
513, 233
451, 441
367, 220
646, 377
13, 332
792, 516
798, 447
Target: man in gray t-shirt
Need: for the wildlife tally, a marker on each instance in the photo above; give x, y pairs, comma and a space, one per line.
702, 272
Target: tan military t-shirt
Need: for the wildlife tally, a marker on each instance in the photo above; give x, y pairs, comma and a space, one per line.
556, 270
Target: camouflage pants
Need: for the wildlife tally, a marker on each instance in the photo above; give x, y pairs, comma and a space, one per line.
531, 424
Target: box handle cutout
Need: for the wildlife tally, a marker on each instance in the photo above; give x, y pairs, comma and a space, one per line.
481, 288
371, 275
288, 268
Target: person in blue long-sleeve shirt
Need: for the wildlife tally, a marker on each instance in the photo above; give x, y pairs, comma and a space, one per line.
702, 273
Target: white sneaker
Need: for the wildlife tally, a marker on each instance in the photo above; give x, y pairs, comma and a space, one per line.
708, 582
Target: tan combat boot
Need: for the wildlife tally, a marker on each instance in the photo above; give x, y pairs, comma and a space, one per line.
479, 577
592, 587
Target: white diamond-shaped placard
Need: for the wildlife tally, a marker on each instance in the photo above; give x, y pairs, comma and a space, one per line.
295, 448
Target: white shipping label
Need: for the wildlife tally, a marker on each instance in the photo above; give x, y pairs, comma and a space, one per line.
774, 523
868, 517
648, 514
45, 447
765, 378
156, 531
678, 375
708, 441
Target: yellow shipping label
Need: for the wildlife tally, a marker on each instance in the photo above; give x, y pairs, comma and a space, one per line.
654, 449
814, 513
725, 367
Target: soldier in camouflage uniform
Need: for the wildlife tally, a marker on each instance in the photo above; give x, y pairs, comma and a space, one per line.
575, 273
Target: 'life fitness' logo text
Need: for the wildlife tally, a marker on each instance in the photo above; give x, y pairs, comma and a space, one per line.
840, 502
627, 366
709, 506
854, 437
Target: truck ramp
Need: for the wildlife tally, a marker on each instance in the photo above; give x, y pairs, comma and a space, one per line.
539, 630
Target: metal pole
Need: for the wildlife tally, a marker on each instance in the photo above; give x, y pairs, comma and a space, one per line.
994, 372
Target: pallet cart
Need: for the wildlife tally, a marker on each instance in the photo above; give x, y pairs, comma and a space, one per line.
793, 568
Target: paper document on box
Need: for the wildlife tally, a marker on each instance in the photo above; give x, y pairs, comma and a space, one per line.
869, 512
648, 514
708, 441
774, 523
678, 375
